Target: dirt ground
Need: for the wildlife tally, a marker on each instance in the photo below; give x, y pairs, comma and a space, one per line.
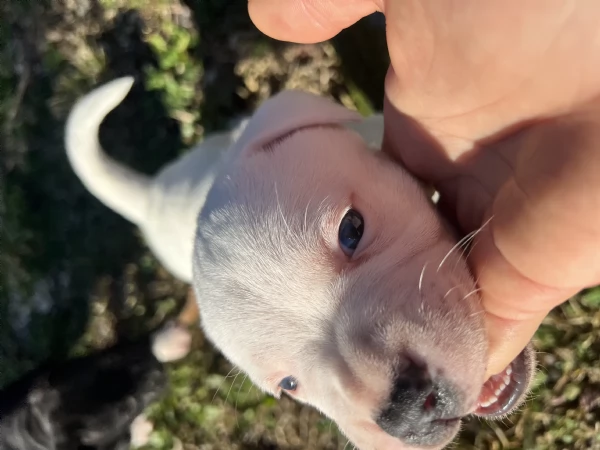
74, 276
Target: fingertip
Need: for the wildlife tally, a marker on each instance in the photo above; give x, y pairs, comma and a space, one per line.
506, 292
515, 305
306, 21
507, 338
270, 19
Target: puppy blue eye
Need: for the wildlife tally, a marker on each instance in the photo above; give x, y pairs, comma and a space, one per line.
288, 384
350, 232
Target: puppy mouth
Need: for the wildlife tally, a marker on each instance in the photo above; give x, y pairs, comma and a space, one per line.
503, 392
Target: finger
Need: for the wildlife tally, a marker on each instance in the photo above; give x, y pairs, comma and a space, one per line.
514, 304
540, 248
507, 338
307, 21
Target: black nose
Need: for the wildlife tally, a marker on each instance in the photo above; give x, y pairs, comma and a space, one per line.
420, 411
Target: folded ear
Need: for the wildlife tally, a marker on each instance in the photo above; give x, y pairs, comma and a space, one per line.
288, 111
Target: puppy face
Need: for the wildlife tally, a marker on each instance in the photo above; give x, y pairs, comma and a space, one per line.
324, 272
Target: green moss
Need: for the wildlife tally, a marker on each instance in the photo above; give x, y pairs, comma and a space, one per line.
177, 76
591, 298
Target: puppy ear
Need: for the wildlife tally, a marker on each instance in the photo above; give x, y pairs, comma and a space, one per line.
288, 111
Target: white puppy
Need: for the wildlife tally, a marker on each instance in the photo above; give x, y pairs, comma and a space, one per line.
321, 267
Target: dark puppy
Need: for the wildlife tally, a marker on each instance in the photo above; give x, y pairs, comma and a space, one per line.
94, 402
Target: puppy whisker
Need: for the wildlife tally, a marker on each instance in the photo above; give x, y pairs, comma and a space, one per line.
231, 387
240, 389
468, 248
462, 242
450, 290
421, 276
249, 389
221, 384
474, 291
237, 398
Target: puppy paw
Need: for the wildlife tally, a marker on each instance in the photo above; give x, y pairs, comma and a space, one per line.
171, 343
140, 430
190, 314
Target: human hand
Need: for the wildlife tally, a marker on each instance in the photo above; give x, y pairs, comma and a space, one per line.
498, 106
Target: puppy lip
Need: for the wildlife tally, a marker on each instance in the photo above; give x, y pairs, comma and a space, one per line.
502, 393
449, 421
451, 427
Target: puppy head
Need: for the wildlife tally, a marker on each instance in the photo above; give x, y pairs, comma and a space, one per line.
323, 271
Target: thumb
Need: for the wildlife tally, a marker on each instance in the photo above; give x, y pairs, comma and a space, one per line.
540, 246
514, 305
307, 21
507, 338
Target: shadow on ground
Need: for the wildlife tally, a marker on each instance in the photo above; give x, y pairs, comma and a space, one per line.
73, 241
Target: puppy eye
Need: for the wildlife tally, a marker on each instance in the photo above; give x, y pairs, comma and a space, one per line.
288, 384
351, 230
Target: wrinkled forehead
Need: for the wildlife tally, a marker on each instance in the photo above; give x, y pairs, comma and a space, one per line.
304, 163
274, 208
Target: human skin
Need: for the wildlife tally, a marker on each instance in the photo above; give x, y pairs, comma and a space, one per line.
497, 105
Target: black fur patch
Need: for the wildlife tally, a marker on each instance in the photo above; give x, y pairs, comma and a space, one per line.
85, 403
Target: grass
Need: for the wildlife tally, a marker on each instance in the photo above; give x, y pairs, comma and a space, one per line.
74, 276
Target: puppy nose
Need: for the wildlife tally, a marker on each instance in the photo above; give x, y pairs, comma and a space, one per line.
419, 410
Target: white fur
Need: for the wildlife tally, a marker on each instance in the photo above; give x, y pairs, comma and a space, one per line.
171, 342
251, 218
116, 186
166, 206
140, 430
